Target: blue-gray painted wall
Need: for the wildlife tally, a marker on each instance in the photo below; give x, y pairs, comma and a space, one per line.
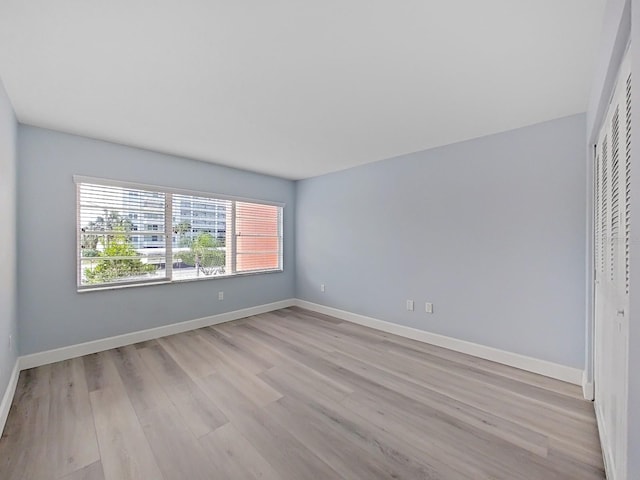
8, 317
491, 230
51, 313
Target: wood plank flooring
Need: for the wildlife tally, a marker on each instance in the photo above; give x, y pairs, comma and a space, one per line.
295, 395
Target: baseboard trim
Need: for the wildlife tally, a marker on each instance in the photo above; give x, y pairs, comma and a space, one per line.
73, 351
587, 387
7, 399
542, 367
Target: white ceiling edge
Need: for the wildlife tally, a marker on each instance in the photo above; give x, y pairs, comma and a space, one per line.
180, 155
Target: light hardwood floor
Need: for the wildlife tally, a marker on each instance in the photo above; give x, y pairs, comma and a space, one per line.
294, 395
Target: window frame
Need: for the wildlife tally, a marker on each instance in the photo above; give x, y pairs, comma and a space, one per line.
169, 192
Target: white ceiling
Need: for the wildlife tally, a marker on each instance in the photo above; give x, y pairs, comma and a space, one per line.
295, 88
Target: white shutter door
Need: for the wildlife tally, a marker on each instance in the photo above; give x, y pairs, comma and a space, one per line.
612, 228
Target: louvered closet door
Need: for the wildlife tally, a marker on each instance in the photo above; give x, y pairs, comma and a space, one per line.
611, 248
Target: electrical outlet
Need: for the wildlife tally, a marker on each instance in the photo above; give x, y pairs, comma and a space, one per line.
410, 305
220, 295
428, 307
322, 287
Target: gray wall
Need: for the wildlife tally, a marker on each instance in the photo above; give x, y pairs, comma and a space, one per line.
51, 313
490, 230
7, 238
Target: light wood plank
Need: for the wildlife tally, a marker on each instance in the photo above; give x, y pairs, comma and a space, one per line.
287, 455
75, 445
197, 411
196, 362
25, 442
176, 449
235, 457
144, 391
226, 347
124, 450
90, 472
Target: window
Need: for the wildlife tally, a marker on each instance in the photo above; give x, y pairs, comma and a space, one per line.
257, 230
117, 245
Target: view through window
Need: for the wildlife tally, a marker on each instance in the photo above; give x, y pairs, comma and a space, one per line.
130, 235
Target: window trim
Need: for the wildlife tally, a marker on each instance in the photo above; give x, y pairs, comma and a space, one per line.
168, 232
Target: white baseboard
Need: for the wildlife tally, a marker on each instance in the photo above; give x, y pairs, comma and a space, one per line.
7, 399
587, 387
73, 351
542, 367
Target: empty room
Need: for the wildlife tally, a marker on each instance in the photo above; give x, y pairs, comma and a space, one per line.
319, 240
